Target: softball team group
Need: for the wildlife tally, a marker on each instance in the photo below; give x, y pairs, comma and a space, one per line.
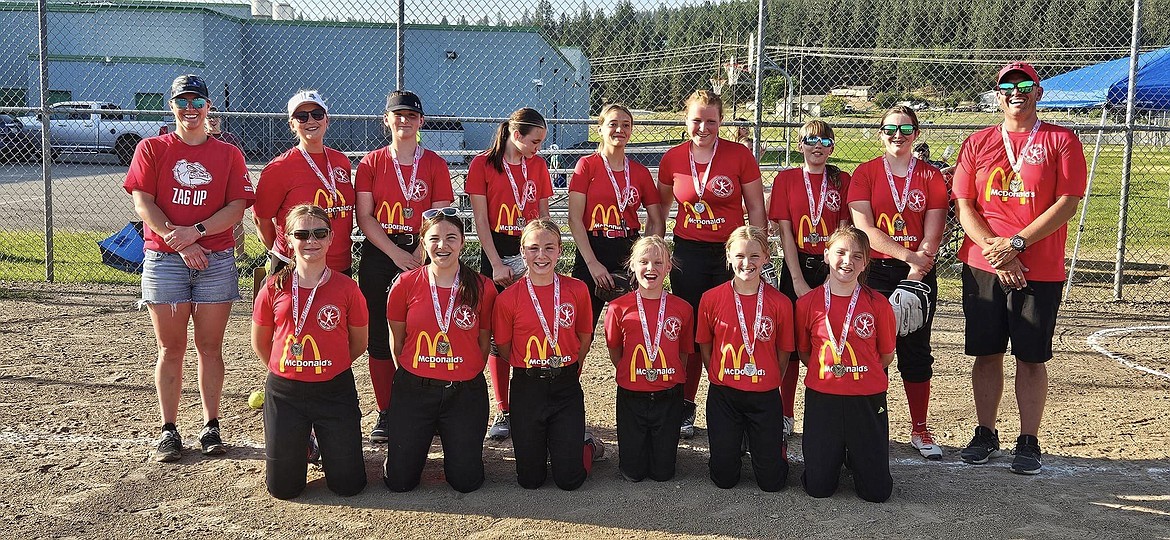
431, 324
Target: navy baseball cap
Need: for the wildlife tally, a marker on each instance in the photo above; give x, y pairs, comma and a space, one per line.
189, 84
402, 100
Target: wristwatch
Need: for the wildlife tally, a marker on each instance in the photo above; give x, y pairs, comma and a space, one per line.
1018, 243
203, 231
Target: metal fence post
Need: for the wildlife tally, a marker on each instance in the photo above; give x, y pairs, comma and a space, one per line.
46, 148
399, 47
1127, 156
759, 52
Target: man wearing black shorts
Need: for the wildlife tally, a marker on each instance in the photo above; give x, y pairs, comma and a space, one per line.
1016, 186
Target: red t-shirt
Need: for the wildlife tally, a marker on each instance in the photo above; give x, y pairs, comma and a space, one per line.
719, 326
1053, 166
516, 323
324, 339
928, 191
410, 302
872, 335
734, 166
288, 180
189, 184
789, 202
375, 175
483, 179
623, 329
601, 209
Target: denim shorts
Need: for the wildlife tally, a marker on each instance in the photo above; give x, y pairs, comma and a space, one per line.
166, 279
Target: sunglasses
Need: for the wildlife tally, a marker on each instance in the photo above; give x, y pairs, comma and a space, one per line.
812, 140
1023, 87
892, 129
196, 103
304, 234
303, 116
449, 211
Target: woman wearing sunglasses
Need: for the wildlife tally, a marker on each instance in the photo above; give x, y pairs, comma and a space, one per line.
901, 204
308, 173
807, 204
440, 326
189, 190
509, 185
395, 185
308, 326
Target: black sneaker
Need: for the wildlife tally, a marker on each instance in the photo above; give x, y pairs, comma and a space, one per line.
1027, 452
210, 442
983, 446
170, 446
501, 427
314, 455
381, 431
687, 429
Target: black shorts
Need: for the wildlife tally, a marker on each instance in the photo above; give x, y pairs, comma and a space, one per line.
1026, 317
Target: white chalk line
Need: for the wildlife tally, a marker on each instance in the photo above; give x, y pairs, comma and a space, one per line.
1094, 341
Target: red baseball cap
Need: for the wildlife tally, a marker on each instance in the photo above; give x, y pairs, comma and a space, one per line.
1022, 67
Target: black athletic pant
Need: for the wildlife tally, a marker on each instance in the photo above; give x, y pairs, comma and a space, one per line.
548, 425
701, 266
915, 361
614, 254
506, 246
291, 410
647, 432
839, 426
812, 268
730, 414
376, 272
420, 408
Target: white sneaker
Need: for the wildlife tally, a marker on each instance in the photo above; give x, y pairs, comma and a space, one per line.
789, 426
924, 442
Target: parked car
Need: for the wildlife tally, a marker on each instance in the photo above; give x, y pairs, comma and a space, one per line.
91, 131
17, 143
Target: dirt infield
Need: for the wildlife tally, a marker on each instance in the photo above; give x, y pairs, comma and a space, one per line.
78, 417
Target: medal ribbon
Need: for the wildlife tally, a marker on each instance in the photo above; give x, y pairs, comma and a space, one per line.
1013, 158
749, 344
652, 352
520, 201
700, 185
408, 195
840, 347
444, 319
331, 183
301, 317
551, 336
900, 202
816, 210
617, 191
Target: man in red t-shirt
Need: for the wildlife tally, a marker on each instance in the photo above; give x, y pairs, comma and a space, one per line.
1016, 186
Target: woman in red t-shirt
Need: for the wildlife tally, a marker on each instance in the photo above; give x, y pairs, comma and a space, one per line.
806, 205
309, 323
845, 337
604, 195
508, 186
649, 334
901, 204
744, 366
395, 185
712, 179
542, 329
440, 325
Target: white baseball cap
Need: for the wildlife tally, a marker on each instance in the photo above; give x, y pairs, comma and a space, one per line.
303, 97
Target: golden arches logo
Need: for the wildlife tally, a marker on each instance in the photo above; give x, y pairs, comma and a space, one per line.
999, 176
541, 349
390, 212
424, 343
329, 202
890, 224
509, 212
605, 212
827, 368
806, 226
640, 349
306, 343
737, 363
689, 209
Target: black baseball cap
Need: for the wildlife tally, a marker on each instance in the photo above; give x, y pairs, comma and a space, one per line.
402, 100
189, 84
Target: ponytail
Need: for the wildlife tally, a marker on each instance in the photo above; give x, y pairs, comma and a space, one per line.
522, 120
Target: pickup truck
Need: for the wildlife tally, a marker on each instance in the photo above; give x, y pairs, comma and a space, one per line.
90, 131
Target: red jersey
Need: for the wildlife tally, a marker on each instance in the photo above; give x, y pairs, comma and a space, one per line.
733, 166
516, 322
189, 184
873, 333
623, 329
410, 302
601, 202
394, 210
790, 202
730, 363
324, 338
928, 191
503, 209
288, 180
1051, 167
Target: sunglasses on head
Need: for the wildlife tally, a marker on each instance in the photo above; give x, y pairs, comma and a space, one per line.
303, 234
449, 211
812, 140
1023, 87
892, 129
196, 103
303, 116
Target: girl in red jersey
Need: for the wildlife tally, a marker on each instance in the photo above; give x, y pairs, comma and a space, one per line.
901, 204
508, 185
845, 336
806, 205
542, 329
649, 335
440, 324
395, 184
712, 179
308, 173
604, 196
745, 367
308, 325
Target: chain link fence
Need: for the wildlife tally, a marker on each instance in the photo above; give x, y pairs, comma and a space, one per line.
109, 65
